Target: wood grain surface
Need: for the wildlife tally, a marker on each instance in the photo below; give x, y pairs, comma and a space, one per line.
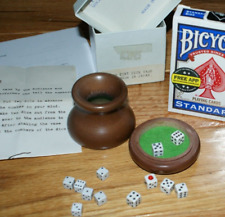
33, 186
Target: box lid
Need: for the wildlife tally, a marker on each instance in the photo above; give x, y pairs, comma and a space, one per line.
117, 15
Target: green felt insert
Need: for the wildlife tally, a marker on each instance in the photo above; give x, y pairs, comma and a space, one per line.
100, 99
163, 134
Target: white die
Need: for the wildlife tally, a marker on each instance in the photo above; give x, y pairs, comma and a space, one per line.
157, 149
87, 193
181, 190
102, 173
151, 181
177, 137
100, 198
68, 182
167, 186
133, 199
76, 209
79, 185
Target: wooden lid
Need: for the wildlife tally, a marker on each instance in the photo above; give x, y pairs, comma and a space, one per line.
166, 165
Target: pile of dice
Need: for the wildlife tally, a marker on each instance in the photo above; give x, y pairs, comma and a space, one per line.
133, 199
87, 193
166, 186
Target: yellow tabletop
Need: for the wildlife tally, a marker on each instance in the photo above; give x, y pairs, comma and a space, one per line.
33, 186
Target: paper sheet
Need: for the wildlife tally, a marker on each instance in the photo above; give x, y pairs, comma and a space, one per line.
63, 47
34, 106
38, 94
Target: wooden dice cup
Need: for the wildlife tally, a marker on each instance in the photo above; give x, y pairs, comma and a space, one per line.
100, 125
168, 165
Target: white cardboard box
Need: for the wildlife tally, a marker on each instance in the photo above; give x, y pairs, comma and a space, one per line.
197, 74
135, 56
128, 38
123, 15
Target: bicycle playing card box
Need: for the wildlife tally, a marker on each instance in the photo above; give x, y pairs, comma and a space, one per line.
197, 70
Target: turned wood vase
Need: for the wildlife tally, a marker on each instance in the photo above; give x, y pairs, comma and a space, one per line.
101, 117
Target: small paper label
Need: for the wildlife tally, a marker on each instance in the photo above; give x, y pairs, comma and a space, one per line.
142, 74
133, 52
193, 13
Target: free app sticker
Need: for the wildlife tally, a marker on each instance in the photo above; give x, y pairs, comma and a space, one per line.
186, 79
